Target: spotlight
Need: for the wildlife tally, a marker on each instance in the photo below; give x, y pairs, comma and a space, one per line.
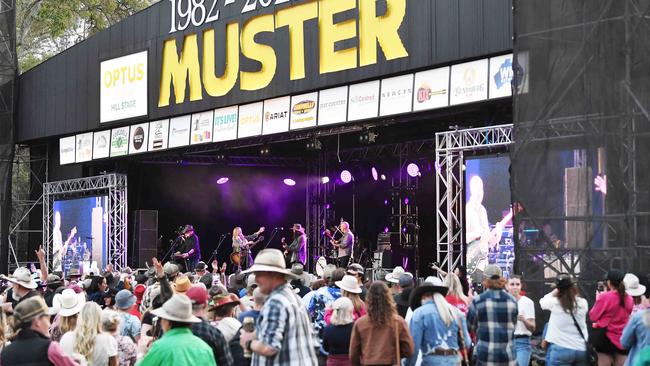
265, 151
346, 176
386, 230
220, 156
222, 180
383, 177
367, 136
386, 202
373, 170
328, 206
406, 201
313, 145
413, 170
325, 180
290, 182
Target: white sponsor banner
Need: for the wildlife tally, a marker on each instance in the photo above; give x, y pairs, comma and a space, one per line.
101, 144
84, 149
179, 131
67, 154
158, 135
225, 124
396, 95
363, 101
119, 141
469, 82
431, 89
138, 141
501, 74
303, 111
250, 120
332, 106
123, 87
276, 115
201, 128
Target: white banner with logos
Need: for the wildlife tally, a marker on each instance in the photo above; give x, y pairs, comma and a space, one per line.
67, 154
303, 111
501, 75
250, 120
276, 115
179, 131
158, 135
363, 101
84, 149
431, 89
469, 82
201, 128
396, 95
138, 141
101, 144
333, 106
123, 87
119, 141
225, 123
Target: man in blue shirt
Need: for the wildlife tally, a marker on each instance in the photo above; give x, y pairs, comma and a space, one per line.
493, 315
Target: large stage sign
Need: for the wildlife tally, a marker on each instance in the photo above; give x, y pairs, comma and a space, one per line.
488, 215
123, 87
79, 235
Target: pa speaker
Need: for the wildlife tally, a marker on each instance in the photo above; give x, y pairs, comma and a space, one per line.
146, 236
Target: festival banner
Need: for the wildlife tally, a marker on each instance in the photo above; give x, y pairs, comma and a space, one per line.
201, 128
396, 95
431, 89
469, 82
501, 75
67, 150
363, 101
101, 144
250, 120
333, 106
138, 141
179, 131
303, 111
119, 141
225, 124
158, 135
276, 115
123, 87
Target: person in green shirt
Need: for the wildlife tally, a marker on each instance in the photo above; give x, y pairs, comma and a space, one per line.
178, 346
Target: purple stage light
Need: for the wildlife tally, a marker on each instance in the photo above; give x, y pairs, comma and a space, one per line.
406, 200
290, 182
373, 170
404, 229
385, 202
413, 170
386, 229
327, 206
325, 180
346, 176
223, 180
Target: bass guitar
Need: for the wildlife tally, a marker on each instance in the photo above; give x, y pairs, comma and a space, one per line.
235, 257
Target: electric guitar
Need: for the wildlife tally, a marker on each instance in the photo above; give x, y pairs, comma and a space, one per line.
478, 249
235, 257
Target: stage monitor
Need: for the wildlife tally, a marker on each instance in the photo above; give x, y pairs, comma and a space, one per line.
488, 215
80, 235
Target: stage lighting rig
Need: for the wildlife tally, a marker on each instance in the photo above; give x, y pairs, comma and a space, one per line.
265, 150
367, 136
313, 144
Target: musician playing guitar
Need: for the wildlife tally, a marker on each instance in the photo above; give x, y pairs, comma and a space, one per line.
188, 253
344, 245
297, 250
241, 247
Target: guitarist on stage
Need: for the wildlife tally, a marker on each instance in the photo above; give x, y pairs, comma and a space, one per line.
188, 253
344, 245
297, 250
242, 246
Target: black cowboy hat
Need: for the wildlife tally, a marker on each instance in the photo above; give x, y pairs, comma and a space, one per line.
432, 284
188, 228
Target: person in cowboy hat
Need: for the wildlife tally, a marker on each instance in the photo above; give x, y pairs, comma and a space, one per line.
178, 346
356, 270
130, 324
53, 282
297, 250
284, 332
23, 287
66, 306
636, 334
438, 329
302, 280
189, 252
31, 344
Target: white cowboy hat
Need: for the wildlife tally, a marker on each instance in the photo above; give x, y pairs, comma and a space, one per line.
270, 260
349, 284
68, 303
177, 309
632, 285
396, 274
23, 277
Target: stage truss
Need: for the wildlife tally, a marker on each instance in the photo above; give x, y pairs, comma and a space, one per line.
450, 146
115, 187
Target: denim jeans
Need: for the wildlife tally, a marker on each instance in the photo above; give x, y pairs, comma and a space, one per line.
560, 356
437, 360
522, 351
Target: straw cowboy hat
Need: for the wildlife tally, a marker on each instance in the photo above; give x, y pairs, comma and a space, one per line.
177, 309
68, 303
632, 285
431, 284
270, 260
299, 228
223, 300
23, 277
396, 274
182, 284
349, 283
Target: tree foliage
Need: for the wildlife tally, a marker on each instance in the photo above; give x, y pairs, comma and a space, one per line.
47, 27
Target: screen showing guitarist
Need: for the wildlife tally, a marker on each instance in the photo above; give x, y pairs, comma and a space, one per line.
297, 250
480, 239
241, 247
188, 253
344, 245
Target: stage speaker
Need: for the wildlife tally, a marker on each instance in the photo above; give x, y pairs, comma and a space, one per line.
146, 236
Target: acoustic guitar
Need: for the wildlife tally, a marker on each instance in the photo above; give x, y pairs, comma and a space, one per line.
235, 257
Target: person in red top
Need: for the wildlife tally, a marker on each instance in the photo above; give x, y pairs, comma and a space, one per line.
455, 295
611, 312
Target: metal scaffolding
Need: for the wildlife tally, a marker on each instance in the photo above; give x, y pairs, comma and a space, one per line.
450, 146
115, 187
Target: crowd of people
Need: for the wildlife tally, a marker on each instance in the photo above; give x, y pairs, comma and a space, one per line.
273, 315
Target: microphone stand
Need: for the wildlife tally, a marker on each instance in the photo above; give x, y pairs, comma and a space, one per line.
223, 237
171, 248
275, 231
